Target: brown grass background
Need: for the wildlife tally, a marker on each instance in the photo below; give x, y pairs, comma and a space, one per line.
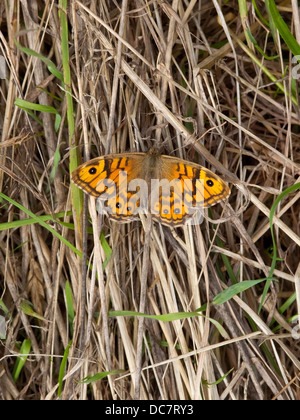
182, 76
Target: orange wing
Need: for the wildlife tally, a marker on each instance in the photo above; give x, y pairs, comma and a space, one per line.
193, 188
107, 178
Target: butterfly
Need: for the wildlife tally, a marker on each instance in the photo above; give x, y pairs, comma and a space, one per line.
172, 189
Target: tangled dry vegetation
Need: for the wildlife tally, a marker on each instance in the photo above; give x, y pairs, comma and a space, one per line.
184, 76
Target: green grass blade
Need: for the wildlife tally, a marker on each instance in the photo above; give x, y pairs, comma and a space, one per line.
29, 106
235, 289
76, 193
41, 222
70, 305
20, 361
90, 379
36, 107
171, 317
283, 29
46, 217
106, 248
253, 40
274, 259
56, 161
264, 21
4, 308
62, 368
204, 382
51, 66
27, 309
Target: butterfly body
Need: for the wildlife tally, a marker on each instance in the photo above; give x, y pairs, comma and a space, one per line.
171, 189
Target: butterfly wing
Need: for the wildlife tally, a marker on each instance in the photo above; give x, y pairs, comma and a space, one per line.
107, 178
193, 188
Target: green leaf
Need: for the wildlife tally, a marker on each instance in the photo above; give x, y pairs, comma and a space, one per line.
106, 248
20, 361
235, 289
274, 259
253, 40
39, 220
26, 308
56, 161
204, 382
70, 306
28, 106
51, 66
46, 217
4, 308
171, 317
36, 107
264, 21
282, 28
90, 379
63, 368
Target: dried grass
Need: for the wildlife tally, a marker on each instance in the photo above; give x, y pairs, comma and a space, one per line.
146, 73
